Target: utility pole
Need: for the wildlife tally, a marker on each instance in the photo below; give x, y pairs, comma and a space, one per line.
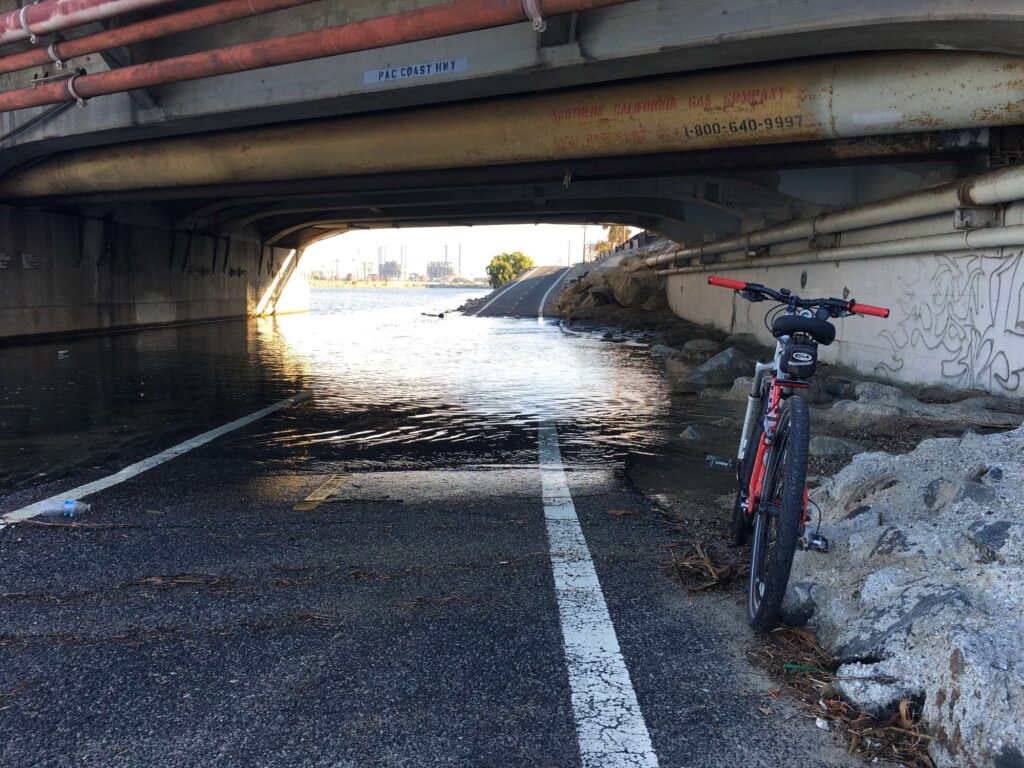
584, 242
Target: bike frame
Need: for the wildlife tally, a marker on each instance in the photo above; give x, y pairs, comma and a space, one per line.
776, 389
803, 326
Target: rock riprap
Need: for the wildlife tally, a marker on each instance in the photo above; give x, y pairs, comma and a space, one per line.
720, 370
883, 408
834, 447
700, 349
922, 593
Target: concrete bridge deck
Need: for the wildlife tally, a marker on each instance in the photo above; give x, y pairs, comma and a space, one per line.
698, 121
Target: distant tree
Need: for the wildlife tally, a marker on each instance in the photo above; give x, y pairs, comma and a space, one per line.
617, 234
500, 271
391, 270
505, 267
520, 262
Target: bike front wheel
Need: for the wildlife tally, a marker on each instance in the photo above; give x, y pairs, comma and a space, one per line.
740, 527
779, 515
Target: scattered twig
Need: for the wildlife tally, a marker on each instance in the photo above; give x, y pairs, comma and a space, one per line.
41, 597
317, 618
423, 602
698, 571
181, 580
93, 526
794, 657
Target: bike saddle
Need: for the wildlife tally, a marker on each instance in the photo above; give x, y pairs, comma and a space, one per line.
822, 331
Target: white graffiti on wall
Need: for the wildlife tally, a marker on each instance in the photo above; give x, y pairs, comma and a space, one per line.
971, 317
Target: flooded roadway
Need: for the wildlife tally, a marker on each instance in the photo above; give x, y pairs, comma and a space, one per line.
387, 374
485, 589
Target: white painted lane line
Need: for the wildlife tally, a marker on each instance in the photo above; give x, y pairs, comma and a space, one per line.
544, 301
506, 289
610, 728
153, 461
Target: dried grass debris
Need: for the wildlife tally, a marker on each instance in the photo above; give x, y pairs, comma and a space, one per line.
794, 657
181, 580
701, 569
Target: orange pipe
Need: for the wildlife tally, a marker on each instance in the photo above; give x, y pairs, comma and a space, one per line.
56, 15
171, 24
421, 24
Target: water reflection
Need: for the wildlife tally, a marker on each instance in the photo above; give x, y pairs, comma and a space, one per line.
90, 401
463, 378
387, 379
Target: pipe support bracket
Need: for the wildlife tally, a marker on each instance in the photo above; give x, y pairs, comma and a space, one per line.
24, 24
51, 51
69, 85
532, 10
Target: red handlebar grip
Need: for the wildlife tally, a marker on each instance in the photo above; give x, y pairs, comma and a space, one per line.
725, 282
867, 309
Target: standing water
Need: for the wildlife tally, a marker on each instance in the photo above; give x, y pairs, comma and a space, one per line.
385, 373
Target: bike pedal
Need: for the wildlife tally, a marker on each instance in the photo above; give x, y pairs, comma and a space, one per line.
720, 462
818, 544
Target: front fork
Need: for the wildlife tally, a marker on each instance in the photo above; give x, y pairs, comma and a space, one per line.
753, 408
749, 420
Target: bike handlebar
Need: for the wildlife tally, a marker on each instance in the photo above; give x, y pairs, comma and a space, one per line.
725, 282
755, 292
867, 309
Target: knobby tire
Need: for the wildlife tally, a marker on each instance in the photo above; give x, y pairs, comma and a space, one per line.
776, 531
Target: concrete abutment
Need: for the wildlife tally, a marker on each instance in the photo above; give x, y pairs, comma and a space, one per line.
69, 274
956, 319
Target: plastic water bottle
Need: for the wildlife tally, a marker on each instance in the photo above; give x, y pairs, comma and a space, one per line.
66, 508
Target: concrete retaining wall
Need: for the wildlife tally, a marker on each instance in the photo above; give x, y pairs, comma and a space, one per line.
66, 274
956, 319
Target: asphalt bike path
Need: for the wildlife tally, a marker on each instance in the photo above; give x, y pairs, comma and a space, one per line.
524, 297
483, 603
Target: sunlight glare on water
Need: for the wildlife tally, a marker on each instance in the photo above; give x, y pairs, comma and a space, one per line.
385, 375
460, 376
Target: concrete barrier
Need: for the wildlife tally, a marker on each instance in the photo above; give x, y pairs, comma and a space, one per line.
957, 319
62, 274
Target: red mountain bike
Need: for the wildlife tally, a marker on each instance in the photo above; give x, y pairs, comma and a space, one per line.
771, 465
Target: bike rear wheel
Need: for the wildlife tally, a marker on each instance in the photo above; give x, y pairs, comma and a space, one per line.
779, 515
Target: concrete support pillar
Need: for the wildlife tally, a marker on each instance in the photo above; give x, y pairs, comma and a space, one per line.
62, 274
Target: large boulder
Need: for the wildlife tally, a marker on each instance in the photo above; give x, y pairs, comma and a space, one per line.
737, 393
881, 408
701, 349
922, 591
829, 447
629, 290
597, 295
655, 302
721, 370
660, 350
633, 289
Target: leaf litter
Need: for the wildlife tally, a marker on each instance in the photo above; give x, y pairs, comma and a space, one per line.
793, 657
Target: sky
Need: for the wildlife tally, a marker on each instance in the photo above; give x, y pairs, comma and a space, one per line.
546, 244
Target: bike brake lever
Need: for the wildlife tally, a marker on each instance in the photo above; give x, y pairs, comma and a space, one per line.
750, 296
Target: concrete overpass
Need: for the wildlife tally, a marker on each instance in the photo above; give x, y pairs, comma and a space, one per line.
191, 197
